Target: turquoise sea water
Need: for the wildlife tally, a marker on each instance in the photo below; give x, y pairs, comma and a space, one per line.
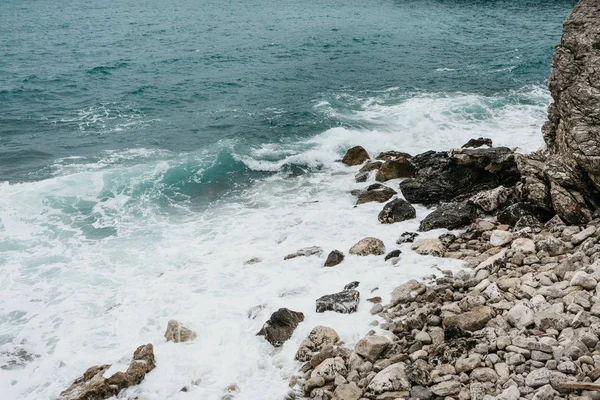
148, 148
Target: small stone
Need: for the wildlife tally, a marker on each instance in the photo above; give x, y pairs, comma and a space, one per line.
281, 326
393, 254
392, 378
484, 375
510, 393
371, 346
318, 338
466, 364
586, 281
329, 368
407, 237
472, 320
348, 391
520, 316
432, 247
500, 238
178, 333
584, 234
523, 245
334, 258
407, 292
305, 252
447, 388
538, 378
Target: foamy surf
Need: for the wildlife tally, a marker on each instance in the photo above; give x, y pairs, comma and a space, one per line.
95, 263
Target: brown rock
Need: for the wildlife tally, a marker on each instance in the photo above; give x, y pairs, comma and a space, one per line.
355, 156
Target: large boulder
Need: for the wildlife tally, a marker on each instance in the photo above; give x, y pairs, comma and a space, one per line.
178, 333
397, 210
281, 326
450, 216
344, 302
368, 246
375, 192
355, 156
456, 175
94, 386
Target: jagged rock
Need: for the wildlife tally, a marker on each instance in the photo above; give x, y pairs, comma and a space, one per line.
514, 212
368, 246
345, 302
334, 258
371, 346
474, 143
552, 246
467, 364
446, 176
375, 192
450, 216
491, 200
178, 333
584, 280
329, 368
281, 326
355, 156
433, 247
472, 320
527, 221
394, 168
317, 339
361, 177
397, 210
94, 386
352, 285
390, 379
305, 252
386, 155
523, 245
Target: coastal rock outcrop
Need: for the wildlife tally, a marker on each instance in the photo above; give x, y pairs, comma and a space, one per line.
94, 386
281, 326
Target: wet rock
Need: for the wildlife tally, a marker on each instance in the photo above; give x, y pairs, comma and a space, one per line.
281, 326
94, 386
371, 166
178, 333
371, 346
394, 168
368, 246
393, 254
450, 216
472, 320
334, 258
479, 142
345, 302
386, 155
407, 237
397, 210
445, 176
433, 247
375, 192
318, 338
305, 252
355, 156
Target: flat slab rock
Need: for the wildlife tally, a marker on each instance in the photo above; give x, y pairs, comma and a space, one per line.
345, 302
281, 326
305, 252
94, 386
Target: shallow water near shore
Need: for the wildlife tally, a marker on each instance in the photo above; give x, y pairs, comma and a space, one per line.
135, 184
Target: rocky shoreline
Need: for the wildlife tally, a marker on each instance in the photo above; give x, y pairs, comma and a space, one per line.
520, 321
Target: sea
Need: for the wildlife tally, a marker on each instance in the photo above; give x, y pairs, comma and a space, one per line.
149, 148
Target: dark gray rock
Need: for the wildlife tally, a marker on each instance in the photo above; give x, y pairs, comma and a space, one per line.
474, 143
352, 285
397, 210
407, 237
446, 176
345, 302
386, 155
361, 177
281, 326
355, 156
375, 192
450, 216
393, 254
334, 258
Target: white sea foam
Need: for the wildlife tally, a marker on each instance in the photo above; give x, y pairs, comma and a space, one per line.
77, 301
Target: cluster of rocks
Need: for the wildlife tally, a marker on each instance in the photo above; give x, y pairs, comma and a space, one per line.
93, 385
521, 321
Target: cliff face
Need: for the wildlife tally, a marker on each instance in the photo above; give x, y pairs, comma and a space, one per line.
572, 131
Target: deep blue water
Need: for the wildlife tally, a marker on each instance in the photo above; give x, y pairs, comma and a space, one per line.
78, 78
